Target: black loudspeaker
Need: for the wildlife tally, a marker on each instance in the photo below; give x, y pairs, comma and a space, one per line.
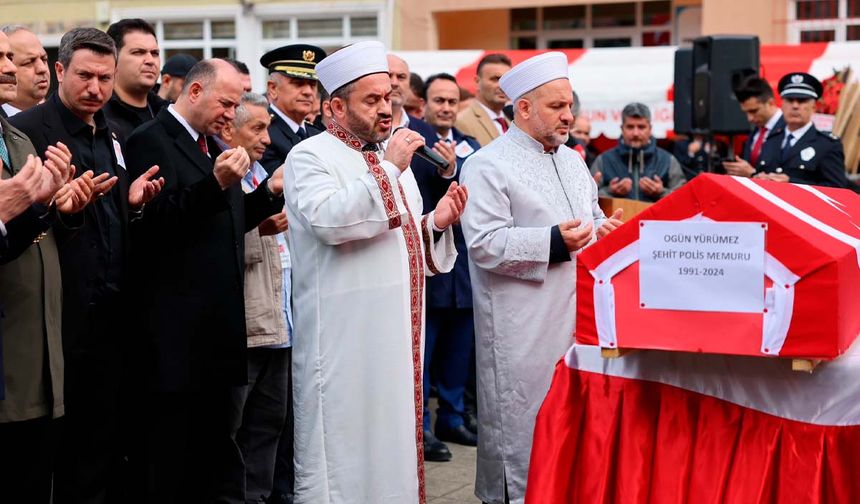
683, 92
719, 62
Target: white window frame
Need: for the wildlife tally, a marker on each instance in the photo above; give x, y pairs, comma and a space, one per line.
589, 34
838, 25
249, 44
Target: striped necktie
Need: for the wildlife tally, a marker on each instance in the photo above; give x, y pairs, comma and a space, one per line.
4, 154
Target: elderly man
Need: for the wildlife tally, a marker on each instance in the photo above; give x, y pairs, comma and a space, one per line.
291, 88
93, 259
637, 169
484, 119
34, 75
801, 154
261, 407
398, 72
361, 250
191, 263
533, 207
138, 60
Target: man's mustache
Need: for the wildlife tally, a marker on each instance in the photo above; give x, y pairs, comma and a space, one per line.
8, 79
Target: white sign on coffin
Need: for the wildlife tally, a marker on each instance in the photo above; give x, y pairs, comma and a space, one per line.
702, 266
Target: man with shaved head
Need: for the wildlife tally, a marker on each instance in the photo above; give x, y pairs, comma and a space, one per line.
190, 242
34, 74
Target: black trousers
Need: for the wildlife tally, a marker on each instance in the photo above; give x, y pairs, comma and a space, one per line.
187, 454
283, 486
258, 416
89, 454
26, 460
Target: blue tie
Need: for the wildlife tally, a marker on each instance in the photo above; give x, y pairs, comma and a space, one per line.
786, 147
4, 154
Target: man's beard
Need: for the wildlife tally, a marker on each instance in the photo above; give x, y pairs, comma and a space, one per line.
548, 134
366, 129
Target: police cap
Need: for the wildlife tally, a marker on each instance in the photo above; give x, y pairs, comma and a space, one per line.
800, 85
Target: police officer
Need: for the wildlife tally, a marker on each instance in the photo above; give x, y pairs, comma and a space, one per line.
291, 91
802, 154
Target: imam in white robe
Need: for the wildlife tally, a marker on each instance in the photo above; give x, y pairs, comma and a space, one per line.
359, 257
524, 306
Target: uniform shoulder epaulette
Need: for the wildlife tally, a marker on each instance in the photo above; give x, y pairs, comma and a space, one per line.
829, 135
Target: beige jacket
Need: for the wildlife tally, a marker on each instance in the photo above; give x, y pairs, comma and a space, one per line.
475, 122
264, 291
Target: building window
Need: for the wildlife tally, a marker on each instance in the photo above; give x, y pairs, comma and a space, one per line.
330, 32
823, 20
816, 9
620, 24
207, 38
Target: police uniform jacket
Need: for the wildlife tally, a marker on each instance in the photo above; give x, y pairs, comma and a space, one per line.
817, 158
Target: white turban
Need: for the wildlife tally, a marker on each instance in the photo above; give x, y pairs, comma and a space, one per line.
532, 73
350, 63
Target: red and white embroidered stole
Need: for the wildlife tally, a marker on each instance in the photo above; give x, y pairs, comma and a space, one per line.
416, 279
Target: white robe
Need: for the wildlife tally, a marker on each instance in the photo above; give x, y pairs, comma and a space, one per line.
524, 306
358, 314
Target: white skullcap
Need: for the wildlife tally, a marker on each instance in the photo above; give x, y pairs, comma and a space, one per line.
350, 63
532, 73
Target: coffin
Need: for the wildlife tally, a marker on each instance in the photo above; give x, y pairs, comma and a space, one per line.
810, 281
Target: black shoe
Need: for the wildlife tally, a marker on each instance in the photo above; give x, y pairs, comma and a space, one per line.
435, 450
471, 421
460, 435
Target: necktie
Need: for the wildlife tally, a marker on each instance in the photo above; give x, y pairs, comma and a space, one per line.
756, 150
786, 147
504, 123
4, 154
302, 133
201, 142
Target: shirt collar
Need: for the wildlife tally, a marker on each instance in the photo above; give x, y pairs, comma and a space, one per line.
10, 109
771, 123
798, 133
449, 137
404, 120
75, 124
191, 131
490, 113
294, 126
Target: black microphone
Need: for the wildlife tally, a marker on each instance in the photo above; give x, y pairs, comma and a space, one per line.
428, 154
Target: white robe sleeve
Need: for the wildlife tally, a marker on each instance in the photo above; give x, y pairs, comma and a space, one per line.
439, 256
494, 243
341, 211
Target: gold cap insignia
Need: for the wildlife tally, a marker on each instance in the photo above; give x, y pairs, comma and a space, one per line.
308, 56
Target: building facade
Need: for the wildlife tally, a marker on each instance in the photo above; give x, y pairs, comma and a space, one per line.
557, 24
240, 29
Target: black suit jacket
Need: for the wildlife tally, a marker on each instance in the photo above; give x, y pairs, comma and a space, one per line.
454, 289
81, 249
188, 257
283, 139
777, 130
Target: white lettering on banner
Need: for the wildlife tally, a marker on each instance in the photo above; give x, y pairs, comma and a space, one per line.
606, 119
702, 266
